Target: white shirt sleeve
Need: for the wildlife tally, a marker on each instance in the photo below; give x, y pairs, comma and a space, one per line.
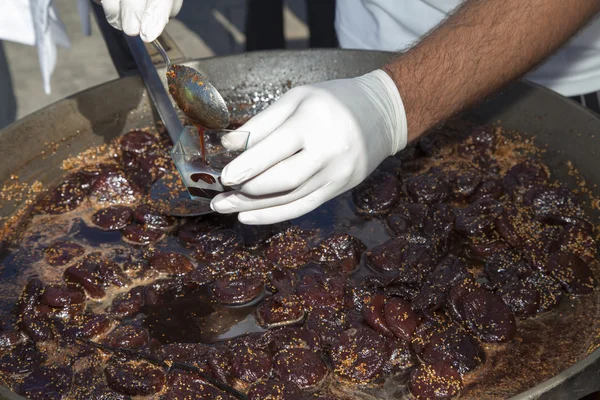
50, 32
35, 22
16, 22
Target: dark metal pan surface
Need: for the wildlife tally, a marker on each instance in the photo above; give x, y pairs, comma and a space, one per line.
251, 81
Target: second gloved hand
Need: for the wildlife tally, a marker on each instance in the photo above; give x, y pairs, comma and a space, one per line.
313, 144
146, 18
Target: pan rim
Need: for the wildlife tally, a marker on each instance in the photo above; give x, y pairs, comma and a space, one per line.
534, 392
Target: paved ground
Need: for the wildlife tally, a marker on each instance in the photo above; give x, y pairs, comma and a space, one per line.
204, 28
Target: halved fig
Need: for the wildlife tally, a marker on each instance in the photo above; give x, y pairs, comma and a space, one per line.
372, 312
302, 367
128, 337
280, 310
377, 194
288, 250
570, 270
216, 244
487, 316
249, 364
61, 253
327, 323
128, 304
62, 295
400, 318
521, 297
274, 390
141, 234
232, 291
172, 263
113, 188
429, 188
134, 377
359, 355
399, 356
68, 195
147, 215
456, 347
342, 251
295, 338
52, 382
577, 239
435, 382
322, 290
112, 218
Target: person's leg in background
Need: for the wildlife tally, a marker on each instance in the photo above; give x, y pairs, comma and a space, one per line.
321, 23
590, 100
8, 103
264, 25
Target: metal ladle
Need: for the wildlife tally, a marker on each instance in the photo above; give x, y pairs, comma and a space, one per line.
199, 100
162, 193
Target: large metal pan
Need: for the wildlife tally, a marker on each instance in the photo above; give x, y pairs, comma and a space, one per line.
97, 115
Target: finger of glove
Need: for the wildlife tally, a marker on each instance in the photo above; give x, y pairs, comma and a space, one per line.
112, 11
230, 202
283, 177
272, 117
131, 16
155, 18
287, 211
276, 147
236, 140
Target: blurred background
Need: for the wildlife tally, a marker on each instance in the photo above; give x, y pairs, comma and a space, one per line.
203, 28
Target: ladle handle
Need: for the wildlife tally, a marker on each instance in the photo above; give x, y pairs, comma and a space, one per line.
162, 52
158, 94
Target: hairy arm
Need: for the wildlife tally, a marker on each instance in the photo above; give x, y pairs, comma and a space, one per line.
482, 46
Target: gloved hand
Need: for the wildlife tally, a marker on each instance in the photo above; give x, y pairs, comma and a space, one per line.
314, 143
146, 18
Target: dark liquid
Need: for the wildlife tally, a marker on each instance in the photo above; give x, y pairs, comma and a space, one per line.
202, 144
204, 177
179, 318
207, 193
193, 318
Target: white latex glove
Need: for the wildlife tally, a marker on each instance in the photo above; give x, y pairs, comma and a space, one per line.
314, 143
146, 18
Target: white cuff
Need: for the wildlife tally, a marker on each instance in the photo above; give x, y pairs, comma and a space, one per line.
384, 93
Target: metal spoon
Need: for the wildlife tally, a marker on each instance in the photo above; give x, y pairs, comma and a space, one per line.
162, 52
169, 194
197, 97
199, 100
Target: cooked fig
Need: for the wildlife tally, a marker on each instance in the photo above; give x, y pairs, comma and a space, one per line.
134, 378
377, 194
359, 355
435, 381
301, 367
62, 253
112, 218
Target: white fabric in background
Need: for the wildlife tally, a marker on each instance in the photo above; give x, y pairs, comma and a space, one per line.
36, 23
50, 32
394, 25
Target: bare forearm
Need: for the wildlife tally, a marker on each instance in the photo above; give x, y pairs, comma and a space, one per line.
481, 47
